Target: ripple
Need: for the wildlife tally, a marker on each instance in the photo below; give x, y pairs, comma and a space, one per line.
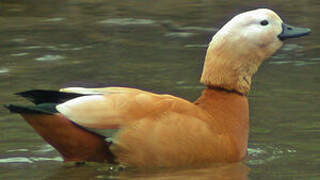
19, 40
127, 21
196, 28
296, 63
178, 34
15, 160
58, 158
190, 87
171, 26
315, 59
4, 70
32, 47
66, 47
291, 47
60, 47
50, 58
29, 160
280, 56
17, 150
19, 54
280, 62
196, 46
303, 63
56, 19
46, 148
264, 154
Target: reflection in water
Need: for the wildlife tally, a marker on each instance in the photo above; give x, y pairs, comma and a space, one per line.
232, 171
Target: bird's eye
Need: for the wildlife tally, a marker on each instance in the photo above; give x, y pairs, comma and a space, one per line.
264, 22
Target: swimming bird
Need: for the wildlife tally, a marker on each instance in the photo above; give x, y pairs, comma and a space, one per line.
159, 129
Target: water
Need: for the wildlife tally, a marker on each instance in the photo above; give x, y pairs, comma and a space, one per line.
158, 46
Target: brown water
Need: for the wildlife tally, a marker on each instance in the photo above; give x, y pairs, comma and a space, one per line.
159, 46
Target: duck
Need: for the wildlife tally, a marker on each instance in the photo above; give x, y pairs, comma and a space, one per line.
161, 130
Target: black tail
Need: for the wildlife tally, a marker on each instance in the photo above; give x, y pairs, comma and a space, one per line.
45, 101
48, 96
45, 108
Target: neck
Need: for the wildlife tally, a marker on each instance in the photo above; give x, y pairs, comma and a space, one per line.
215, 88
230, 71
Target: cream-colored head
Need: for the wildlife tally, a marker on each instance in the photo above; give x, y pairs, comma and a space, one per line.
239, 47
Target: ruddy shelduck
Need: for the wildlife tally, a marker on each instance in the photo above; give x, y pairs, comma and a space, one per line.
159, 129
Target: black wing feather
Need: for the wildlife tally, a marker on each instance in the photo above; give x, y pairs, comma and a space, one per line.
45, 108
48, 96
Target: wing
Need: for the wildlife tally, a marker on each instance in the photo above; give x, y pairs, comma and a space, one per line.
114, 107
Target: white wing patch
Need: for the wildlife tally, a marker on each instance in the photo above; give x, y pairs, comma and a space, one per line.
81, 90
93, 111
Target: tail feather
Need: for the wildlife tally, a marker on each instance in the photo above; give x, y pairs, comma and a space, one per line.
45, 108
74, 142
48, 96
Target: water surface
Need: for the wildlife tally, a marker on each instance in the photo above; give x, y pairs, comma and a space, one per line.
158, 46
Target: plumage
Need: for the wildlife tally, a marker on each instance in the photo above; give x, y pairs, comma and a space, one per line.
160, 129
72, 141
38, 96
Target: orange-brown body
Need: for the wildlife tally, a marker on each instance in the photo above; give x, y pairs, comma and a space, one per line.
73, 142
213, 129
232, 112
